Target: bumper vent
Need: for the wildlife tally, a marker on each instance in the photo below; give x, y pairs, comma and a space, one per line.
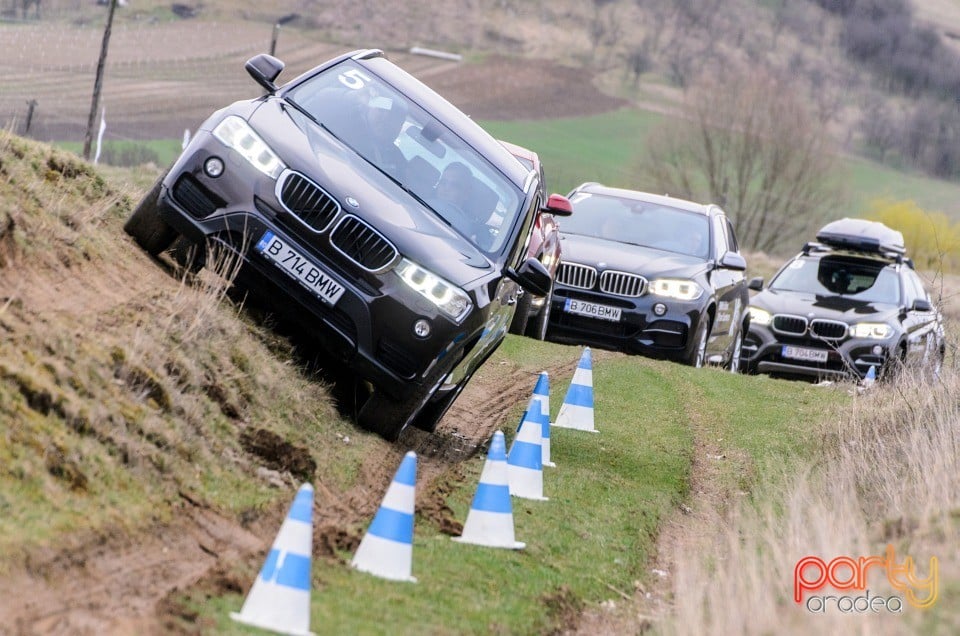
622, 283
362, 244
829, 329
195, 198
307, 201
396, 358
576, 275
790, 325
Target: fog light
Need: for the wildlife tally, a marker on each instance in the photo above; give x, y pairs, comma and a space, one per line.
659, 309
213, 167
877, 350
421, 328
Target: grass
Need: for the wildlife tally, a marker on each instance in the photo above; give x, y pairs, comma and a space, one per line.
595, 536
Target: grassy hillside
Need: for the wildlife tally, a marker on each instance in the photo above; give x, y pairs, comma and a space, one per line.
140, 410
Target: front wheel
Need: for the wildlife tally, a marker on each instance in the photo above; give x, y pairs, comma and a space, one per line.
538, 329
699, 353
145, 225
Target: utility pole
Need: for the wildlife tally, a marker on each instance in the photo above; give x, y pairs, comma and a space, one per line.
98, 82
31, 106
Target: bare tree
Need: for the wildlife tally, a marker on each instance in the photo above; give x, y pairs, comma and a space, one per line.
746, 142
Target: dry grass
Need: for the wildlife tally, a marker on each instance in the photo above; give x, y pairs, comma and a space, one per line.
890, 475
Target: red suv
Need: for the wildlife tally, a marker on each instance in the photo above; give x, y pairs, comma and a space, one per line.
533, 312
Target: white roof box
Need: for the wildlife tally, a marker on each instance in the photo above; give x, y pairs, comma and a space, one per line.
861, 235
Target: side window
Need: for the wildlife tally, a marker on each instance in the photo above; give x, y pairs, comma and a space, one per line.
917, 285
912, 290
732, 238
719, 237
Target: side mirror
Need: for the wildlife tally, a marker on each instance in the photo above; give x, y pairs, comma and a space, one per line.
921, 304
756, 284
264, 69
732, 260
558, 205
532, 276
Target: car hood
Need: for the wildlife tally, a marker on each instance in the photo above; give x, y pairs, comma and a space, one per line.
416, 231
646, 261
839, 308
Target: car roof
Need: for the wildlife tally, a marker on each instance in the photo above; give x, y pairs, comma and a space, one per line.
666, 200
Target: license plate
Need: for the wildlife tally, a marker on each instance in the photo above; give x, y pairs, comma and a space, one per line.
299, 267
802, 353
593, 310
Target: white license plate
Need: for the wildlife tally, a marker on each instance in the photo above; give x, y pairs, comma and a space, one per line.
593, 310
300, 267
802, 353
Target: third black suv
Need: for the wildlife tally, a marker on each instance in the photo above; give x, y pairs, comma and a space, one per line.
844, 304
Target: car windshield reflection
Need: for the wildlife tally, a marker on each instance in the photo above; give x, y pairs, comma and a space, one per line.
414, 149
642, 223
867, 281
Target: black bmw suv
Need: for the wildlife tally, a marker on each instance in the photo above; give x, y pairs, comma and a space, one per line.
844, 304
388, 223
650, 274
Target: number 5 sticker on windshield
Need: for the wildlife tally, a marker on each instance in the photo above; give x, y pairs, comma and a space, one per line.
354, 78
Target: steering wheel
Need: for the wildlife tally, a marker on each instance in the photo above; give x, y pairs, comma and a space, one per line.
478, 232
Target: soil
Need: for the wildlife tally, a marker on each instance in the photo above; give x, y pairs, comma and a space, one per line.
124, 583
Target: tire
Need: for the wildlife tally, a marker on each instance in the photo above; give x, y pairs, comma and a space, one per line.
699, 354
145, 224
521, 316
538, 329
733, 366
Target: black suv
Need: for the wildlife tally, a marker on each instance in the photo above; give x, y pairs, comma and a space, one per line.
387, 222
844, 304
650, 274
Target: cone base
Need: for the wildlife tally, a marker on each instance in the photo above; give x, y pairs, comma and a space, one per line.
238, 617
517, 545
575, 428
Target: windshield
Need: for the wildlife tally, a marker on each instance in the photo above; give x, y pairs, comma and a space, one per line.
639, 223
868, 281
414, 149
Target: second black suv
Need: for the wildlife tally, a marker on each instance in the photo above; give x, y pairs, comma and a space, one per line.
844, 304
387, 222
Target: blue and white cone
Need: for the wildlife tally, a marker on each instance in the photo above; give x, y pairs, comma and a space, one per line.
279, 599
387, 548
490, 520
541, 393
525, 460
577, 408
871, 376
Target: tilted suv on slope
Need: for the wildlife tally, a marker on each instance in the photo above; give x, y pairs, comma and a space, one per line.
372, 210
849, 302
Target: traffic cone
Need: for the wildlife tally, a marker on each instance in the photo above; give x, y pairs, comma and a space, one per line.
870, 377
577, 408
387, 548
525, 460
490, 520
541, 393
279, 599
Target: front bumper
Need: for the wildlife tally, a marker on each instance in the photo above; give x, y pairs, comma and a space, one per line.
369, 328
848, 358
638, 331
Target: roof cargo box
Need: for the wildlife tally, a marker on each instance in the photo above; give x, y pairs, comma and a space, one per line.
861, 235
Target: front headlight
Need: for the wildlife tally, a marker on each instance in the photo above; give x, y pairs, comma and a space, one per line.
452, 300
680, 288
759, 316
237, 134
874, 330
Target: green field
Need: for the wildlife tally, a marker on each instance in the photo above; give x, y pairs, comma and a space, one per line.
607, 498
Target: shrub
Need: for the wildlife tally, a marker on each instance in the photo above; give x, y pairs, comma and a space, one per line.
932, 240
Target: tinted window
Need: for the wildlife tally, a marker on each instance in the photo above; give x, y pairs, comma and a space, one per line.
412, 147
732, 237
638, 223
869, 281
